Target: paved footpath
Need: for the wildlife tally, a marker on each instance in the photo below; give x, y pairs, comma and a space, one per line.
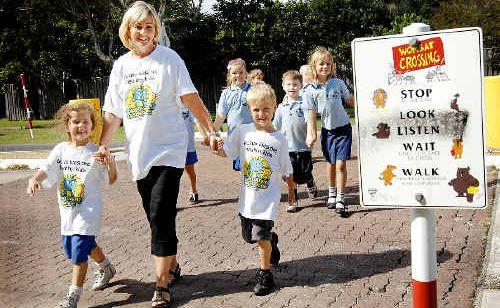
327, 261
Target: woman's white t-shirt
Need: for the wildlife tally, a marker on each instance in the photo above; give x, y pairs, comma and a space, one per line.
143, 92
264, 158
80, 186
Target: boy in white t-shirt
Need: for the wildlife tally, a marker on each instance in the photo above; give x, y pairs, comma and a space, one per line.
79, 194
264, 155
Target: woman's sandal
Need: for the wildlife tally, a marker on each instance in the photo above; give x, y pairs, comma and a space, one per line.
161, 297
176, 274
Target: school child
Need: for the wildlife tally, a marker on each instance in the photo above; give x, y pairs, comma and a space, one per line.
307, 77
79, 193
264, 156
255, 76
326, 96
192, 157
290, 119
233, 102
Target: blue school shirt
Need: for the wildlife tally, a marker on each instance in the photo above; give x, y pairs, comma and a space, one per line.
233, 104
326, 99
290, 119
189, 122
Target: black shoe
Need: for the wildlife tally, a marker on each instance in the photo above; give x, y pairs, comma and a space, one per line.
176, 274
330, 203
275, 252
193, 198
341, 208
264, 282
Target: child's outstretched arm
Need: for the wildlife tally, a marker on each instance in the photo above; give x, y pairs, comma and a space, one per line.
111, 166
35, 182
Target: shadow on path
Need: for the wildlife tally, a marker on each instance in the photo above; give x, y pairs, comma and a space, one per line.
211, 202
313, 271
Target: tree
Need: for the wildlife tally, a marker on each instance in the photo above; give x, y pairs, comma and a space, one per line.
473, 13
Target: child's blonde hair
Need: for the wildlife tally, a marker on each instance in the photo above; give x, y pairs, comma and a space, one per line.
64, 113
316, 57
234, 63
136, 13
255, 73
261, 92
293, 75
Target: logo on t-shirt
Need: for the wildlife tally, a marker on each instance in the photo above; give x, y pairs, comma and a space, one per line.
71, 190
257, 173
140, 101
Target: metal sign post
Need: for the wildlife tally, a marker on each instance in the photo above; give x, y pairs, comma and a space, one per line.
420, 120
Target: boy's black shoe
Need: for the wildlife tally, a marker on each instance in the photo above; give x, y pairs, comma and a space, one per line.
264, 282
275, 252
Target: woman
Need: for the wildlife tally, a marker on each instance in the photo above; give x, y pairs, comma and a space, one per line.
144, 87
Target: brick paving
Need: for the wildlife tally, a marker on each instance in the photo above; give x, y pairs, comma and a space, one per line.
327, 261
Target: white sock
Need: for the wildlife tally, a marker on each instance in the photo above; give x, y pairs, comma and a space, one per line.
340, 196
104, 263
76, 290
332, 192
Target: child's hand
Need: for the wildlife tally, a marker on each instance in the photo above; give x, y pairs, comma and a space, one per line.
33, 185
206, 141
101, 156
310, 140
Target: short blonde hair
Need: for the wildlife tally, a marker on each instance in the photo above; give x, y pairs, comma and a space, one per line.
138, 12
293, 75
316, 57
261, 92
64, 113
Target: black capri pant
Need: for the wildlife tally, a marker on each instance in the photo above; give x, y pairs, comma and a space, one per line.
159, 191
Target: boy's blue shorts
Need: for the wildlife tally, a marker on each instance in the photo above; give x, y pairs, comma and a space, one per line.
191, 158
336, 143
77, 247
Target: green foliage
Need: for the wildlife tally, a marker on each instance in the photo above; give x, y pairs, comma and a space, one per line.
473, 13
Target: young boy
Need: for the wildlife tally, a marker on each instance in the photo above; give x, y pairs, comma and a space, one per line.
79, 193
291, 121
264, 156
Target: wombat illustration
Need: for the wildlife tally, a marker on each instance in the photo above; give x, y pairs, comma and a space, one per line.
384, 131
387, 175
465, 184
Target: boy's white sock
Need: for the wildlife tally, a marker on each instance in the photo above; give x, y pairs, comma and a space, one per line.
76, 290
104, 263
340, 196
332, 192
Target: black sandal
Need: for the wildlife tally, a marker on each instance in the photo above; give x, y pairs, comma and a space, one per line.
176, 273
160, 298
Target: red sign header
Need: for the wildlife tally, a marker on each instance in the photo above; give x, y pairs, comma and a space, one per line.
429, 52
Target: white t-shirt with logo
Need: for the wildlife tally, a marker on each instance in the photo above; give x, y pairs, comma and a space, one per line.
80, 180
144, 93
264, 158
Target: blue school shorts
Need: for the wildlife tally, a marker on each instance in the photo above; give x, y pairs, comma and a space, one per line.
336, 143
77, 247
191, 158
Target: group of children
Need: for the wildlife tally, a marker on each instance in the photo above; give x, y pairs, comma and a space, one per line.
265, 141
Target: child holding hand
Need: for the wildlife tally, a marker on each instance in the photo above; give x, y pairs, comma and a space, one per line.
264, 156
79, 193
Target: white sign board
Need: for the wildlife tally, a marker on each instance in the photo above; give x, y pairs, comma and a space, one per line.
419, 114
